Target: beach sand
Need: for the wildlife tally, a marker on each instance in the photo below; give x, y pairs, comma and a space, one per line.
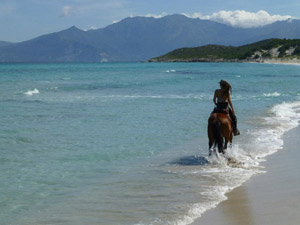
272, 198
282, 61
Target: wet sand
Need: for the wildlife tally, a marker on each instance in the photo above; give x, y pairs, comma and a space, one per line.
272, 198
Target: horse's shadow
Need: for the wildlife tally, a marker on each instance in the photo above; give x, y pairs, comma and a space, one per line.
193, 160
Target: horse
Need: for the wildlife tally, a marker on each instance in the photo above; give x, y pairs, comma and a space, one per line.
219, 131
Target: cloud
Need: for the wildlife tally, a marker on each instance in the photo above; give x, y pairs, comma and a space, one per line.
65, 11
194, 15
91, 28
241, 18
156, 15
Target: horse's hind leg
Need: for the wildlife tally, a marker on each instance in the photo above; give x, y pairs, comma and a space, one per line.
225, 146
210, 147
211, 139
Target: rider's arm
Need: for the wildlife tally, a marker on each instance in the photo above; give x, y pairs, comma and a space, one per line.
230, 103
215, 97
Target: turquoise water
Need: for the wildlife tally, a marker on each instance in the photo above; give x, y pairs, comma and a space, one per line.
125, 143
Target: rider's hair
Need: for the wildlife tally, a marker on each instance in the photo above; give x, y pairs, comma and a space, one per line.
226, 87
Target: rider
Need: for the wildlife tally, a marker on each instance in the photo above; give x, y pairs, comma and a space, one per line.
221, 100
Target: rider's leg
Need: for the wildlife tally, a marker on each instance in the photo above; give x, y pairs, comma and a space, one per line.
234, 123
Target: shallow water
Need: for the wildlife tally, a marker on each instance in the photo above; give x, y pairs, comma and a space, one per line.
125, 143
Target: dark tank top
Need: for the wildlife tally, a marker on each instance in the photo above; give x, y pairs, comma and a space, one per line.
222, 105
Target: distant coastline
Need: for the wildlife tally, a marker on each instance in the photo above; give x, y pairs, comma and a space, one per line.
267, 61
275, 51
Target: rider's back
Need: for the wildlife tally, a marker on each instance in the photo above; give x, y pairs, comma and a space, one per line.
221, 97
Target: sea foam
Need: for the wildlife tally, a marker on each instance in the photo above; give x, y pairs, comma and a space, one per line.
32, 92
274, 94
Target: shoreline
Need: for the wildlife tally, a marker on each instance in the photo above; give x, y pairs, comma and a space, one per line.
283, 62
266, 61
271, 198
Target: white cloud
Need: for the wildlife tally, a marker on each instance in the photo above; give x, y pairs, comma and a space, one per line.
241, 18
65, 11
156, 15
194, 15
91, 28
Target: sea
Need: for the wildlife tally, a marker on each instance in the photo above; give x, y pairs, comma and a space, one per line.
126, 143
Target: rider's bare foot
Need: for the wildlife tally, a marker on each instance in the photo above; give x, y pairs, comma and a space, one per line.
236, 132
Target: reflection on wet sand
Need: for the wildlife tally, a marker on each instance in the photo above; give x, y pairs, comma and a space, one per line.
239, 210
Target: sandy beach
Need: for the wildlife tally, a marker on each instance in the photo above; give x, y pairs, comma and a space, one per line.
282, 61
265, 199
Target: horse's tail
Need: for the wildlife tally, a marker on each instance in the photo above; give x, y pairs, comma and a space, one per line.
217, 131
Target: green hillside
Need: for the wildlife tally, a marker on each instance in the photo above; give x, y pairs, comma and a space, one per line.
267, 49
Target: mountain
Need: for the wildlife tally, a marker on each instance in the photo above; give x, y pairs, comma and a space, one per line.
139, 39
271, 49
68, 45
4, 43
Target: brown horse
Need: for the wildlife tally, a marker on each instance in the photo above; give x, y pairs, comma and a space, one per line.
219, 131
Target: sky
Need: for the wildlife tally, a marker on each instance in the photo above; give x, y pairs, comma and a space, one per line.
22, 20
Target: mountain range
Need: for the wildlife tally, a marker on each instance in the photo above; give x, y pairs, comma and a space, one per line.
139, 39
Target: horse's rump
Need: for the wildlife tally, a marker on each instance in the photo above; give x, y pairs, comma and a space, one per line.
219, 131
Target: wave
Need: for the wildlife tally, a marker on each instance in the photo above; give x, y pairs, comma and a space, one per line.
274, 94
32, 92
259, 96
284, 117
188, 96
191, 96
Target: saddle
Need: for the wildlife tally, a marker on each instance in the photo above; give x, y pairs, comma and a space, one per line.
218, 110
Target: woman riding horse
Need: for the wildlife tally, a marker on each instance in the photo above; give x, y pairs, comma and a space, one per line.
221, 100
222, 121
